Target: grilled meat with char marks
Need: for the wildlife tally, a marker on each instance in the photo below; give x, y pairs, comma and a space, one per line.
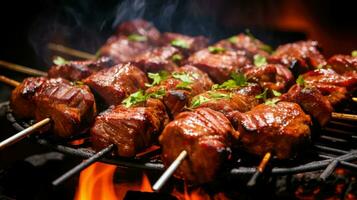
300, 56
186, 44
219, 65
116, 83
206, 135
176, 97
130, 129
281, 129
162, 58
140, 27
78, 70
343, 63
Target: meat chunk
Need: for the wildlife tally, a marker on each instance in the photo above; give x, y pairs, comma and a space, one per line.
140, 27
166, 58
186, 44
218, 64
312, 101
78, 70
206, 135
271, 76
130, 129
178, 92
21, 101
281, 129
300, 56
116, 83
248, 44
71, 108
122, 49
228, 100
343, 63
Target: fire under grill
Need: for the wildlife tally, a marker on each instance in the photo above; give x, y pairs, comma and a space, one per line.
334, 147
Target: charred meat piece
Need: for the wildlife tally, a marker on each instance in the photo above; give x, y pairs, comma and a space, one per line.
206, 135
218, 62
122, 49
271, 76
228, 100
78, 70
280, 129
71, 107
166, 58
300, 56
312, 101
185, 83
186, 44
139, 27
343, 63
248, 44
130, 129
116, 83
22, 97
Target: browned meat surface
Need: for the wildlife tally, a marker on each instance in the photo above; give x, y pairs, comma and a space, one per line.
140, 27
122, 49
306, 54
162, 58
219, 65
116, 83
78, 70
248, 44
71, 108
185, 43
177, 97
343, 63
130, 129
271, 76
281, 129
312, 101
206, 135
226, 100
21, 100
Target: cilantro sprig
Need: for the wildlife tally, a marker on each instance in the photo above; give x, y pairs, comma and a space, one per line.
300, 81
179, 43
259, 60
140, 96
238, 80
157, 78
60, 61
216, 50
185, 78
212, 95
272, 102
137, 38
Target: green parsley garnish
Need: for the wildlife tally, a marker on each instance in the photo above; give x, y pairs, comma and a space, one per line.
184, 86
179, 43
354, 53
300, 81
262, 95
238, 80
139, 97
186, 78
216, 50
266, 48
60, 61
198, 100
259, 60
157, 78
137, 38
272, 102
232, 39
176, 58
276, 93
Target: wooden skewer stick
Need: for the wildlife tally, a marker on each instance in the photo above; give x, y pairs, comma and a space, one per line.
70, 51
22, 69
169, 171
83, 165
22, 134
344, 116
260, 169
9, 81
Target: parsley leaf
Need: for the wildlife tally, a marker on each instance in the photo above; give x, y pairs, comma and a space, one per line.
184, 86
354, 53
157, 78
198, 100
232, 39
276, 93
259, 60
238, 80
272, 102
216, 50
60, 61
134, 98
262, 95
176, 58
179, 43
218, 95
300, 80
156, 95
137, 38
186, 78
